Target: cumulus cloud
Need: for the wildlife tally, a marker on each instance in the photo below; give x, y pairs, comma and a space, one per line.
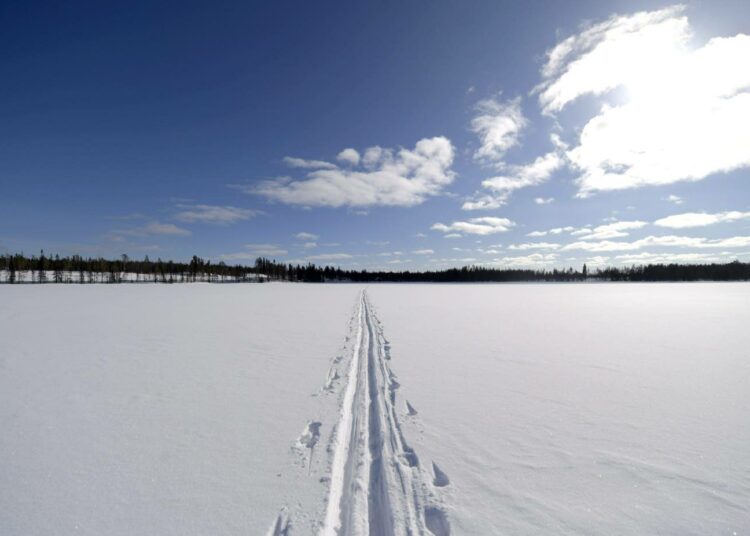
700, 219
221, 215
543, 200
660, 241
349, 156
479, 226
497, 125
515, 178
686, 113
384, 177
676, 199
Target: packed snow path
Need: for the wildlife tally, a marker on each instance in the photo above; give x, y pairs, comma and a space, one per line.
376, 485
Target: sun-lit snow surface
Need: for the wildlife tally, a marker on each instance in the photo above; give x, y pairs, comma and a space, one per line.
160, 409
580, 409
497, 409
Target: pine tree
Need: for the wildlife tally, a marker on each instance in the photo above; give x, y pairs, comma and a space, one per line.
11, 270
42, 275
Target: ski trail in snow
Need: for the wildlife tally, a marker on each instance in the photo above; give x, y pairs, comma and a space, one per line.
377, 486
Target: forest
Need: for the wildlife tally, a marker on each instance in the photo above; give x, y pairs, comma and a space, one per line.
18, 268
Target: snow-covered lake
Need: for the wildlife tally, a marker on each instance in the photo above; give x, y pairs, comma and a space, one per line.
533, 409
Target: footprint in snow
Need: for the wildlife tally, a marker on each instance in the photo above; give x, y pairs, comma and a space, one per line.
309, 439
441, 479
437, 521
281, 526
333, 375
310, 435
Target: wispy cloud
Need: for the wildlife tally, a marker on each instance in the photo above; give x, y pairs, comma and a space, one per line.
660, 241
555, 231
498, 125
151, 229
330, 257
535, 260
306, 236
253, 251
617, 229
543, 200
534, 245
514, 178
215, 214
293, 162
700, 219
479, 226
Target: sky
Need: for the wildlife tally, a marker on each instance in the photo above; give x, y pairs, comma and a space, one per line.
377, 135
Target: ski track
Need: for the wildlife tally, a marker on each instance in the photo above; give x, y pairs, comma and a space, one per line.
377, 486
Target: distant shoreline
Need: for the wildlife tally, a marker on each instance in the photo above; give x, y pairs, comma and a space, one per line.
19, 269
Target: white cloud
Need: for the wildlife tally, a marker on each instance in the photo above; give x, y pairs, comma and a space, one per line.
310, 245
306, 236
307, 164
534, 245
609, 54
543, 200
153, 228
555, 231
253, 251
267, 250
213, 214
686, 114
597, 260
515, 178
349, 156
423, 252
611, 230
700, 219
646, 258
676, 199
480, 226
535, 260
498, 125
385, 177
660, 241
329, 257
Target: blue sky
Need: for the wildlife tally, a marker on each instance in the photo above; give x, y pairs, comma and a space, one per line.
397, 135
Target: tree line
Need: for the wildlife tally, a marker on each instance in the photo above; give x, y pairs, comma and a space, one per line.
733, 271
19, 268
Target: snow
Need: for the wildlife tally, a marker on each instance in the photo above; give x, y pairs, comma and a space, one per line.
288, 409
159, 409
579, 409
